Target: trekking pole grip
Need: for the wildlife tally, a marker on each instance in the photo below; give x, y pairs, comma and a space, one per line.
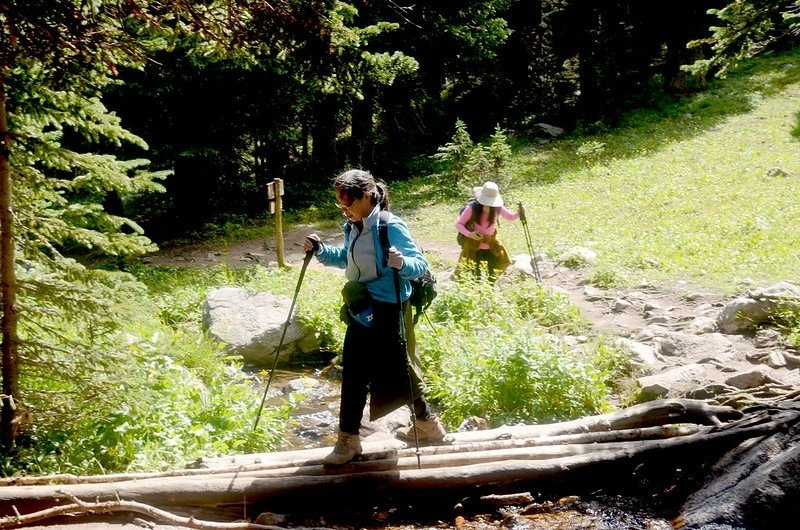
314, 246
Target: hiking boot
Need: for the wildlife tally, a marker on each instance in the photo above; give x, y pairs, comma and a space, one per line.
347, 447
430, 431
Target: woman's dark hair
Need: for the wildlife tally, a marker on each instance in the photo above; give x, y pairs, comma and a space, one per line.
355, 183
477, 211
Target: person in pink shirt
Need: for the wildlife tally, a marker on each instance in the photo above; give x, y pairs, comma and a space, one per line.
478, 224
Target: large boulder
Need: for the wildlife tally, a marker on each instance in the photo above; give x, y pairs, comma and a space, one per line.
251, 325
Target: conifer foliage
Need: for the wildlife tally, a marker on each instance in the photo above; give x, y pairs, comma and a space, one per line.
55, 57
63, 157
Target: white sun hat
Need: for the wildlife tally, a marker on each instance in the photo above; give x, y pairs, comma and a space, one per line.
488, 194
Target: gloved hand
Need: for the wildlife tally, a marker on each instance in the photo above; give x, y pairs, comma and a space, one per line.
396, 260
521, 213
312, 242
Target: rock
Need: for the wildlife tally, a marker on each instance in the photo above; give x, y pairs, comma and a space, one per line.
744, 313
671, 383
651, 306
694, 347
750, 379
710, 391
620, 305
640, 353
777, 292
251, 325
551, 130
775, 359
577, 257
593, 294
766, 338
299, 385
703, 324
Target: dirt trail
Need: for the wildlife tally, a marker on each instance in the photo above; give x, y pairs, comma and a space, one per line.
631, 313
262, 250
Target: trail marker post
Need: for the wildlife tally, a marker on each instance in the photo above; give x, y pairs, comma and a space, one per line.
274, 196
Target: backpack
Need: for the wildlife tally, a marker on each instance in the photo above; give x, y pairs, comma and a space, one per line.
460, 238
423, 288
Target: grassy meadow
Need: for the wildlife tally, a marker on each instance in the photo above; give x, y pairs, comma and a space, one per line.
705, 190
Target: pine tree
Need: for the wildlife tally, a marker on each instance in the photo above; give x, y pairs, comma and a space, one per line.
62, 155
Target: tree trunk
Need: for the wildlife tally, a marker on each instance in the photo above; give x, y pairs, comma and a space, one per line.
8, 286
362, 135
323, 136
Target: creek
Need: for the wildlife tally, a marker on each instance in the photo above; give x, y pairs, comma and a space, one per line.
315, 417
588, 507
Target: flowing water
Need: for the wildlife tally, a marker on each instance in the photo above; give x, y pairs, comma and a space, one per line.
315, 418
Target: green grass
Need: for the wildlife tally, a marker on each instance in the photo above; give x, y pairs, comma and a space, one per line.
685, 192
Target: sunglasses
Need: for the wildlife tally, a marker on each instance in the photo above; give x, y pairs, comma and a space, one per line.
346, 205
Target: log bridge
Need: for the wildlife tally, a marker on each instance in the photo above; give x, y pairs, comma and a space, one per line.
510, 456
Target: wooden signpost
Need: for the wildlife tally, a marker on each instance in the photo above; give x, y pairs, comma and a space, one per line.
274, 196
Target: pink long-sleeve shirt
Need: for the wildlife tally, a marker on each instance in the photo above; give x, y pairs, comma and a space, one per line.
482, 225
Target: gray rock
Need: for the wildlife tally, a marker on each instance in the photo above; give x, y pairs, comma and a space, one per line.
640, 353
751, 379
620, 305
766, 338
251, 325
703, 324
671, 383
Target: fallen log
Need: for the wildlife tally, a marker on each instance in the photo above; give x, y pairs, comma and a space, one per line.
443, 468
79, 507
380, 450
756, 485
670, 412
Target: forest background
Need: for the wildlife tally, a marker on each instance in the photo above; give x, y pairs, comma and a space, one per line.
126, 123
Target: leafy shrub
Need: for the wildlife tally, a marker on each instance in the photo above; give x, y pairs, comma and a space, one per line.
787, 320
487, 353
164, 415
604, 279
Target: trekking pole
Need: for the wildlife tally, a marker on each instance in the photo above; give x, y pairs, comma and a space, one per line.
534, 265
408, 363
306, 260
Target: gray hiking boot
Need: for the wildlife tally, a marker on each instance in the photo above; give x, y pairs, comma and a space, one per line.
430, 431
347, 447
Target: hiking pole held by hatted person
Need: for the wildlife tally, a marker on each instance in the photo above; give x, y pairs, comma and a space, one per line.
534, 264
306, 261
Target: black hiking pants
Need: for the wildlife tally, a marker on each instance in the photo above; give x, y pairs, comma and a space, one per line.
374, 362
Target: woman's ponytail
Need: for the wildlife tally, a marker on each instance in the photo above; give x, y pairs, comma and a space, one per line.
383, 194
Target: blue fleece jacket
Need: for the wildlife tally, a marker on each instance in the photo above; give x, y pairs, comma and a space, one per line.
364, 259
